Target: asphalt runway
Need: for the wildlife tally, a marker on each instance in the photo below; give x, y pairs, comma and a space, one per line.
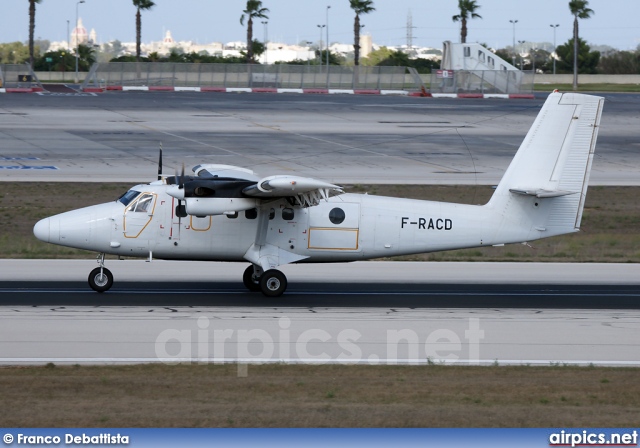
324, 295
346, 139
364, 312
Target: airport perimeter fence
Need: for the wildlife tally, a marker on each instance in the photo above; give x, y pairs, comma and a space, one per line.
482, 81
18, 76
282, 76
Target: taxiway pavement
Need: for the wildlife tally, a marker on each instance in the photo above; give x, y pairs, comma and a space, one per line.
346, 139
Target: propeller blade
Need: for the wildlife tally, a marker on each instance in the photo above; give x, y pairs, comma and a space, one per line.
160, 163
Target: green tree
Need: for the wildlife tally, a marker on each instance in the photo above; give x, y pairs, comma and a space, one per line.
254, 10
86, 57
14, 53
467, 11
32, 28
579, 10
620, 63
376, 56
61, 60
334, 58
128, 58
141, 5
359, 7
395, 59
587, 59
257, 48
504, 53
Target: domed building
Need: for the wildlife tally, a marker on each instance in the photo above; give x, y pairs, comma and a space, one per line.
79, 35
168, 39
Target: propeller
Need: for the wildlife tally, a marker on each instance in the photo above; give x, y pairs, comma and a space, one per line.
160, 163
180, 211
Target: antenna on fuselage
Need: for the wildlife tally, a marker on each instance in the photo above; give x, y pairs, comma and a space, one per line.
160, 163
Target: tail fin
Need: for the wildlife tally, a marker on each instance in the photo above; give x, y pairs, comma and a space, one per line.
550, 171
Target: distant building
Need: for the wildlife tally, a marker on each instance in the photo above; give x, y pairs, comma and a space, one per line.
79, 35
366, 45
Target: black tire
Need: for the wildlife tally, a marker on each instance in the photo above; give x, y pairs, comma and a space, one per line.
250, 282
99, 284
273, 283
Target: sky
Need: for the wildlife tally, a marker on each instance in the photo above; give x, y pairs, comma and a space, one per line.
613, 23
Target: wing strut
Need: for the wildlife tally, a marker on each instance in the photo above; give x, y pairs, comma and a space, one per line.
267, 256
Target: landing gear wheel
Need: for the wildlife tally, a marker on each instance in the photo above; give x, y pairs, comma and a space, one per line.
101, 282
251, 282
273, 283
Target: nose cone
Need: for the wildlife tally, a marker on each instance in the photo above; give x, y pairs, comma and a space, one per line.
42, 230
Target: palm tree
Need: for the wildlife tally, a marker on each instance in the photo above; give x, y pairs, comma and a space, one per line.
467, 11
254, 10
141, 5
359, 7
580, 11
32, 27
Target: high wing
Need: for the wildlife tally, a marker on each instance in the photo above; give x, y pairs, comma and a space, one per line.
224, 189
307, 191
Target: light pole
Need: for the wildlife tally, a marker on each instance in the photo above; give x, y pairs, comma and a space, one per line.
308, 49
320, 43
532, 52
328, 8
513, 59
265, 36
521, 42
68, 36
77, 43
554, 46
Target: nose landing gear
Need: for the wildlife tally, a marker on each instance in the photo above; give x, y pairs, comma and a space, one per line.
101, 279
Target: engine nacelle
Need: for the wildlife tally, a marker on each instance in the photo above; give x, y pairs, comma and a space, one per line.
218, 206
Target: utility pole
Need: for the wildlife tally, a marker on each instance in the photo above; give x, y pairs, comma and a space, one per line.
554, 46
513, 58
521, 42
320, 44
77, 42
328, 8
265, 33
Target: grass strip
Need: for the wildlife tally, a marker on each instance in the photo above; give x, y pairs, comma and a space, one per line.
279, 395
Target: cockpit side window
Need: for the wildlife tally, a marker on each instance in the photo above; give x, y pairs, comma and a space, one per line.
128, 197
144, 204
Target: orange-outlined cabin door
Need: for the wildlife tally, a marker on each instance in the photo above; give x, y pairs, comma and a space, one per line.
139, 214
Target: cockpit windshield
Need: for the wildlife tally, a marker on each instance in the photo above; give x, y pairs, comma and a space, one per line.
128, 197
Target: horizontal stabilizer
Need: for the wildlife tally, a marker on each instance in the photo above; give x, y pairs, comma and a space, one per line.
542, 193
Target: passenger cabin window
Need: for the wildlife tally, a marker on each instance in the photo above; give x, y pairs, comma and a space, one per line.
287, 214
480, 56
128, 197
336, 215
502, 67
467, 52
272, 214
491, 62
233, 215
251, 213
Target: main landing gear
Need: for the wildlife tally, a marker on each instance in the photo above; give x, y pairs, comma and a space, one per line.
101, 279
272, 283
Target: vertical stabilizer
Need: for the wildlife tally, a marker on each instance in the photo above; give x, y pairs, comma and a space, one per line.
550, 171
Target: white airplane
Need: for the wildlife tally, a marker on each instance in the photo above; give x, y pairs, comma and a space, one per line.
226, 213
